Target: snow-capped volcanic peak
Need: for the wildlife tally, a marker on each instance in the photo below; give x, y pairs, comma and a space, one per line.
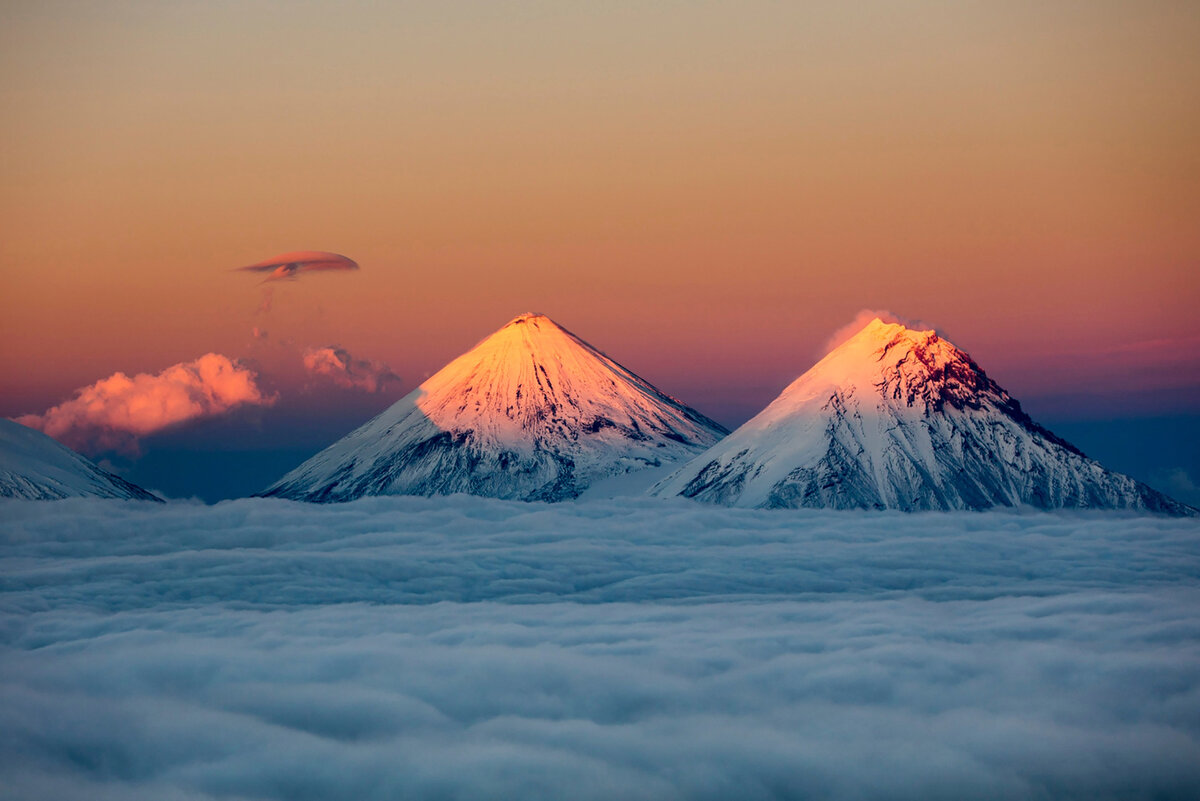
531, 412
35, 467
896, 418
533, 379
904, 367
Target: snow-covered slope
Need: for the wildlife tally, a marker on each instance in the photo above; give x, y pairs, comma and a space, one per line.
34, 466
531, 413
896, 418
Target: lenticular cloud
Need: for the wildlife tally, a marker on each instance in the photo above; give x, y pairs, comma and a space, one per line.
291, 265
339, 366
473, 648
115, 411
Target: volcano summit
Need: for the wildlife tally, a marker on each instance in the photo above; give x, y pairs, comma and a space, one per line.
530, 413
897, 418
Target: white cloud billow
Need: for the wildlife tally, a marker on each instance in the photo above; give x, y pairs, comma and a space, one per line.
465, 647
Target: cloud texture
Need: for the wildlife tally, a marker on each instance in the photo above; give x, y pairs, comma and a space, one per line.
463, 648
115, 411
288, 266
337, 365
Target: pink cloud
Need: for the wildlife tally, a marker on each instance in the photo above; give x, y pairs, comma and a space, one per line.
344, 370
114, 412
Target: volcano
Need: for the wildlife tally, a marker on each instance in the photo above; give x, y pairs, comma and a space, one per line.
896, 418
35, 467
530, 413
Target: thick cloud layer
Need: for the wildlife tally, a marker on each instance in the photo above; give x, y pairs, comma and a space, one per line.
114, 412
339, 366
456, 648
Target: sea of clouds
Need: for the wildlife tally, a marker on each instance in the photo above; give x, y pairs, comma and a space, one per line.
622, 649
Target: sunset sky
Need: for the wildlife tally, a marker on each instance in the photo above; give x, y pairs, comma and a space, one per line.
705, 191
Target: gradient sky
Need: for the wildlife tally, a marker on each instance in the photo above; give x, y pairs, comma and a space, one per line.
704, 191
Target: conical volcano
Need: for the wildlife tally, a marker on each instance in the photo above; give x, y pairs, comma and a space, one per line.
530, 413
896, 418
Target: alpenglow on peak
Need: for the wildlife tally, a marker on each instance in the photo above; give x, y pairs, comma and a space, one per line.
896, 418
530, 413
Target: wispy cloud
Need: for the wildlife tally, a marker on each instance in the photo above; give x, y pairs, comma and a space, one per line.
113, 413
865, 316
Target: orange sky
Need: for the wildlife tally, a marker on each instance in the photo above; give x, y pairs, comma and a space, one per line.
704, 191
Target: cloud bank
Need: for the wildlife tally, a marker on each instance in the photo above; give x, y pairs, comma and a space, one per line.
466, 648
114, 412
338, 366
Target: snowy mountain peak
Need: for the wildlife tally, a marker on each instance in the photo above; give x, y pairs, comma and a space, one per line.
531, 412
35, 467
905, 365
897, 418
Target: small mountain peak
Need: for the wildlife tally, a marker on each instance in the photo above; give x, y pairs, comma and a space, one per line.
35, 467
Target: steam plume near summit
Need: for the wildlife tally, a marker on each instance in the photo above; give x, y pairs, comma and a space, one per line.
865, 316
